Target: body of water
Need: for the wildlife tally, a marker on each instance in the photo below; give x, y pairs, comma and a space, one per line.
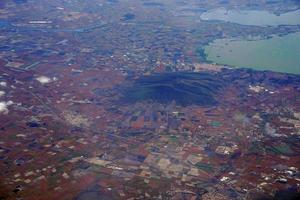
281, 54
252, 17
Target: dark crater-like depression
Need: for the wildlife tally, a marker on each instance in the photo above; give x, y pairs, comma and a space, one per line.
183, 88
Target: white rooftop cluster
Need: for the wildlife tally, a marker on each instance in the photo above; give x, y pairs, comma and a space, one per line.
256, 88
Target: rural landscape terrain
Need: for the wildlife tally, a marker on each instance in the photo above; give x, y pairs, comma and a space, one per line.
150, 99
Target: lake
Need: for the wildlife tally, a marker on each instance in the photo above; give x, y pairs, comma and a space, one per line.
280, 54
252, 17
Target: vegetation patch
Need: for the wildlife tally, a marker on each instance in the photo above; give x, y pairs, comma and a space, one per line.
183, 88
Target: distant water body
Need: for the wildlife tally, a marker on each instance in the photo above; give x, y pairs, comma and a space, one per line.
280, 54
252, 17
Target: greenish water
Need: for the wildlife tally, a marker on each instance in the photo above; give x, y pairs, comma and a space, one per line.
252, 17
280, 54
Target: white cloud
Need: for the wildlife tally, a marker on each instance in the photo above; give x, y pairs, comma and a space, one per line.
43, 79
3, 84
4, 105
2, 93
